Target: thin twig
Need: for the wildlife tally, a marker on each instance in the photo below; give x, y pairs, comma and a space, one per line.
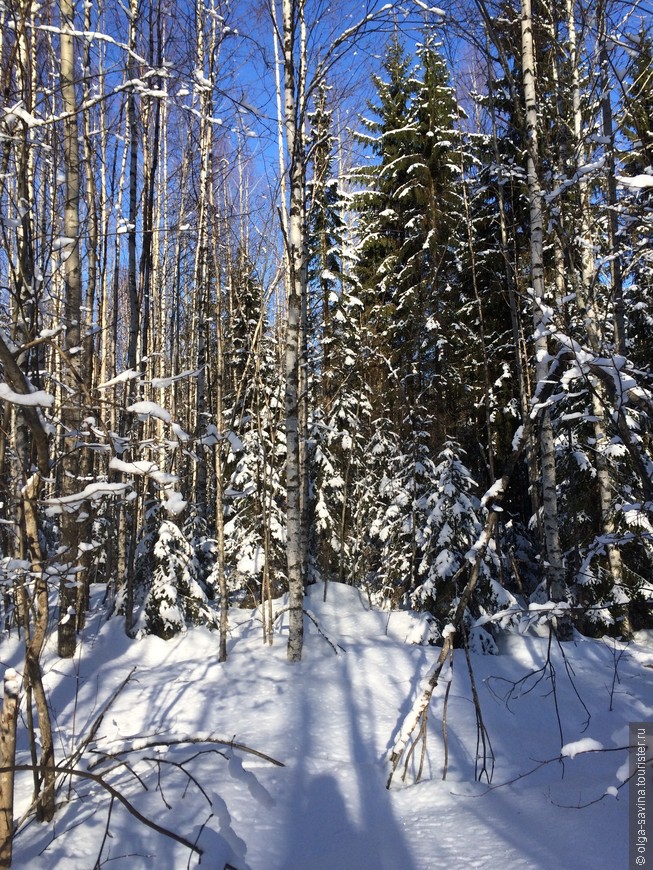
540, 764
482, 734
106, 834
93, 730
334, 646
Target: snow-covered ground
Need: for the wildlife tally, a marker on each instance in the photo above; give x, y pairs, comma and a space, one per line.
331, 720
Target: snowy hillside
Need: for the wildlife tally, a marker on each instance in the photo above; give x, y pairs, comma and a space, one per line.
330, 721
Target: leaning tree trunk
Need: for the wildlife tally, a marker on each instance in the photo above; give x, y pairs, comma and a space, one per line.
413, 725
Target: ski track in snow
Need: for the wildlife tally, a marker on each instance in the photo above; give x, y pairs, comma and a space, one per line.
331, 719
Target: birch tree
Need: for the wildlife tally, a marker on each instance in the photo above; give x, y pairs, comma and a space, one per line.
555, 566
302, 76
27, 436
294, 85
71, 590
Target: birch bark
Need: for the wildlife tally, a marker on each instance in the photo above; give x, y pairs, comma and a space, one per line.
71, 411
295, 243
554, 569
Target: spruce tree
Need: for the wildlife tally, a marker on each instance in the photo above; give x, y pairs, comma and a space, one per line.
176, 598
638, 99
254, 493
408, 214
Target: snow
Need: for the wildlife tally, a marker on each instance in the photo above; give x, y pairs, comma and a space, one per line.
92, 492
639, 182
179, 433
127, 375
143, 467
174, 503
150, 409
162, 383
330, 721
587, 744
62, 242
18, 112
494, 491
36, 398
11, 683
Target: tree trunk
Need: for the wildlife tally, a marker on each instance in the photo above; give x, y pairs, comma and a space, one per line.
28, 423
71, 412
554, 563
295, 243
8, 721
585, 294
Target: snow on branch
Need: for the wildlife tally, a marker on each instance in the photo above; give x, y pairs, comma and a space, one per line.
37, 398
127, 375
162, 383
92, 492
635, 182
150, 409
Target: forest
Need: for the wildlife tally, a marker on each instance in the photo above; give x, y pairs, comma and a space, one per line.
301, 295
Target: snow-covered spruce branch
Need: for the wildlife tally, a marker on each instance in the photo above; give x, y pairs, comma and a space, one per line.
621, 384
334, 646
115, 794
628, 387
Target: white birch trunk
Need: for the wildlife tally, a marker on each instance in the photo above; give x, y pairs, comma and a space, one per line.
296, 289
554, 561
71, 412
